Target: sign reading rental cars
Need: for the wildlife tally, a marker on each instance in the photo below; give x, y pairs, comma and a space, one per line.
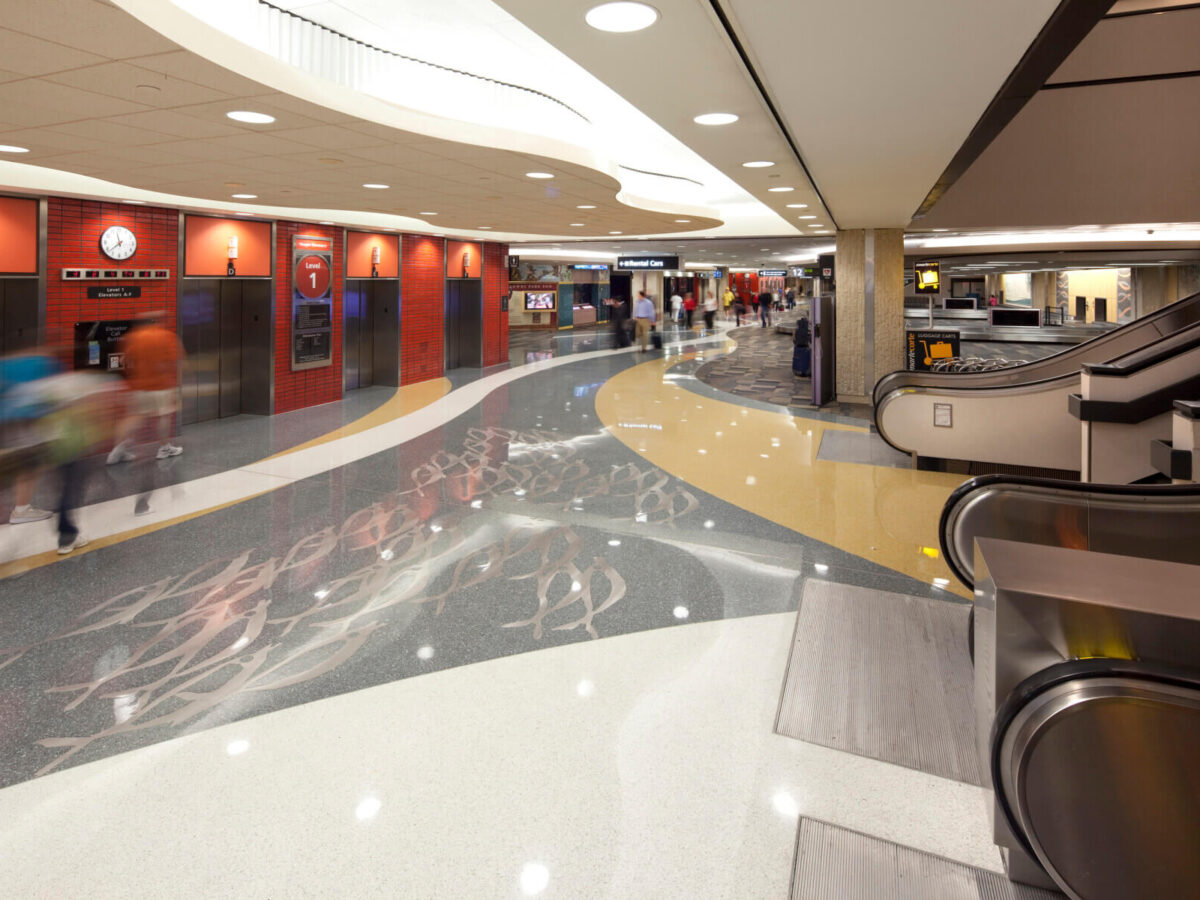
647, 263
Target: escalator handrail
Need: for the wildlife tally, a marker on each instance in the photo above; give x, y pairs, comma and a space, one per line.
1145, 321
981, 482
1149, 356
1050, 678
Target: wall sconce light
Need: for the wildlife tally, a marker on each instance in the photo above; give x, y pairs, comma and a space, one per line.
231, 255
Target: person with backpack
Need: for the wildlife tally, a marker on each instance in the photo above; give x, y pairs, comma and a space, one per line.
802, 349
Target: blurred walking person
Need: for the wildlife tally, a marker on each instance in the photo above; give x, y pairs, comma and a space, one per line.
21, 412
152, 359
710, 310
643, 314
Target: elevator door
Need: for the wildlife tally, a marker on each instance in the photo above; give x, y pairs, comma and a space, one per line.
371, 333
225, 327
18, 314
464, 324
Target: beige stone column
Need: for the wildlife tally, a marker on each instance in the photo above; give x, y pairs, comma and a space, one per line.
869, 308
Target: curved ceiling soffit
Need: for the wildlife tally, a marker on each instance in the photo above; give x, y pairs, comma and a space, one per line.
219, 48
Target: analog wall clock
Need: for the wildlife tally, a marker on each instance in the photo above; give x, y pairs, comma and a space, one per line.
118, 242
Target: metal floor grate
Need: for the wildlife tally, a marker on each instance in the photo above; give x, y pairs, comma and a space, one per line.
885, 676
836, 862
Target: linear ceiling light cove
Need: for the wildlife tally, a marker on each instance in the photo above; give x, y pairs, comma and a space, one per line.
12, 148
370, 185
715, 119
797, 206
757, 164
250, 117
538, 175
244, 196
621, 17
780, 190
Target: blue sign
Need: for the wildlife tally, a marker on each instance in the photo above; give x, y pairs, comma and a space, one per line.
599, 268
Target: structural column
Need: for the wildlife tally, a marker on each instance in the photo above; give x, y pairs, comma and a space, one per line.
869, 309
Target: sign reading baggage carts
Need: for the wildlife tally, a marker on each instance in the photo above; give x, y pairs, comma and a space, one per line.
928, 277
926, 348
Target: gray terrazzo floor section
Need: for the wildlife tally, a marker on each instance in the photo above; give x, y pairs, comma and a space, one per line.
833, 862
885, 676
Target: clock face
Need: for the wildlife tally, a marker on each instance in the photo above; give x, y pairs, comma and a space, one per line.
118, 242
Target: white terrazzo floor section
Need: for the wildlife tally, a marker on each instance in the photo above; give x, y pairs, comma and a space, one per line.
188, 498
637, 766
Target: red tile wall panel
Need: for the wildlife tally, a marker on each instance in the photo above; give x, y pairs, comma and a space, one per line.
422, 307
296, 390
495, 322
73, 240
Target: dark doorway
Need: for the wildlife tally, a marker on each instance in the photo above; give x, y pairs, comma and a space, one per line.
464, 324
226, 330
621, 286
371, 334
18, 314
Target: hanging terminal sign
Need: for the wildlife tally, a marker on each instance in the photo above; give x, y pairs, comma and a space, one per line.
647, 263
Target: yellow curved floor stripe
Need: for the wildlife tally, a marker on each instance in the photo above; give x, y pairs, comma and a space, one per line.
406, 400
766, 463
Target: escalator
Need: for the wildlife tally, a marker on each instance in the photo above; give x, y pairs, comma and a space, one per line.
1087, 681
1011, 417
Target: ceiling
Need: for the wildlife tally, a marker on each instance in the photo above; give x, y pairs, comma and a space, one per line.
1110, 139
91, 90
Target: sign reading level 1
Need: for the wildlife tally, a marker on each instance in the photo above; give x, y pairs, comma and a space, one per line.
114, 292
312, 302
925, 348
646, 263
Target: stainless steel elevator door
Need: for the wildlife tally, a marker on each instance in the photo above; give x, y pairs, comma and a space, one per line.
358, 303
464, 324
229, 397
18, 314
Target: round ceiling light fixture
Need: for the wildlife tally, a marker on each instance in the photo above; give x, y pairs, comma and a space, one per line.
249, 117
245, 196
780, 190
715, 119
13, 148
757, 164
621, 17
538, 175
370, 185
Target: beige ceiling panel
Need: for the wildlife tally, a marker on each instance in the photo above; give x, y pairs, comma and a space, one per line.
394, 155
48, 141
329, 137
33, 56
311, 113
67, 103
136, 85
175, 124
108, 132
264, 144
93, 27
1136, 45
204, 150
284, 118
187, 66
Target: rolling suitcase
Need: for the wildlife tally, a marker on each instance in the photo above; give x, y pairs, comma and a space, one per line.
656, 340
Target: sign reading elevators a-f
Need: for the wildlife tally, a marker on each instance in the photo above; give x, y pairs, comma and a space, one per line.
312, 302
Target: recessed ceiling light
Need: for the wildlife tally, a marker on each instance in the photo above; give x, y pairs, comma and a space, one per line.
376, 187
538, 175
815, 225
427, 214
133, 201
614, 232
780, 190
585, 206
251, 118
621, 17
763, 249
757, 164
485, 227
13, 148
324, 223
245, 196
683, 221
715, 119
575, 225
797, 206
805, 217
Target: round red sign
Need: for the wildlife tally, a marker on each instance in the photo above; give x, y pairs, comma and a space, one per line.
312, 277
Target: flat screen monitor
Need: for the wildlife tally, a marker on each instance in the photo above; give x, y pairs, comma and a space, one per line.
959, 303
539, 300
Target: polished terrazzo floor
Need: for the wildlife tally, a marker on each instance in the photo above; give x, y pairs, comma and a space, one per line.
564, 589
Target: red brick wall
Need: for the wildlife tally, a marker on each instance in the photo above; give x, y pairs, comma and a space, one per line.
73, 239
495, 322
422, 307
295, 390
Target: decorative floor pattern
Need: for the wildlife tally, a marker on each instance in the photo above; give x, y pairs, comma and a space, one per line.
885, 676
836, 862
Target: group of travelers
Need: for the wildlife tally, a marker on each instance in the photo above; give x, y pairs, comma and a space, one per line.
52, 419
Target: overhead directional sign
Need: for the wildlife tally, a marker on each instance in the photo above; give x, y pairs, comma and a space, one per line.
647, 263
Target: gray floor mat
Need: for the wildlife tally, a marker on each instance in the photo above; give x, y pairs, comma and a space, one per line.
836, 862
885, 676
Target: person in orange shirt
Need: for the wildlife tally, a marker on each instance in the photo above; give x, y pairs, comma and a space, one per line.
152, 359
